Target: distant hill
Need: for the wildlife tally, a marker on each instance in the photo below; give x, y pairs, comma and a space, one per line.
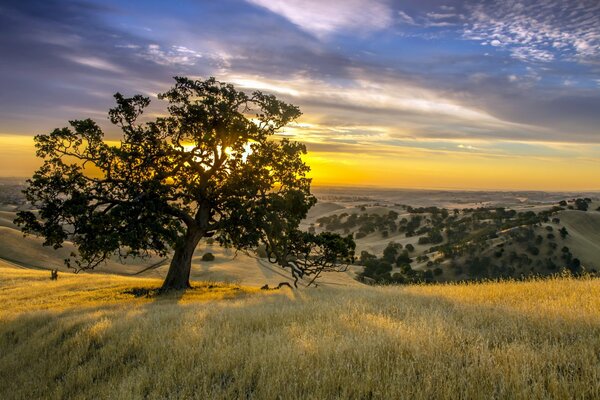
481, 247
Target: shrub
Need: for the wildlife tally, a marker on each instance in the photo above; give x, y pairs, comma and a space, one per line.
208, 257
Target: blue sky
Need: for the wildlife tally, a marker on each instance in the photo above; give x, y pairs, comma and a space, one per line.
495, 78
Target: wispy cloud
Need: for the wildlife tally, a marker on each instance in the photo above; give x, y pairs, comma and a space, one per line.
405, 18
323, 17
174, 55
96, 63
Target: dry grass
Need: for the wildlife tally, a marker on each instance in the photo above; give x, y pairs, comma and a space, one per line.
82, 337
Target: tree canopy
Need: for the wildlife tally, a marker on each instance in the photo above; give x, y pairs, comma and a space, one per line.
212, 167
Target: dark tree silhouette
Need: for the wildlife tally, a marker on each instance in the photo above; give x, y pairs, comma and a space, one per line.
211, 168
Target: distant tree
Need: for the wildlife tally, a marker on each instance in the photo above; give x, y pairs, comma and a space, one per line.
563, 232
366, 256
211, 167
581, 204
390, 252
403, 259
574, 266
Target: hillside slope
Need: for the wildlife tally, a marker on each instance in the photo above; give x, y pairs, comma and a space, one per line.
584, 235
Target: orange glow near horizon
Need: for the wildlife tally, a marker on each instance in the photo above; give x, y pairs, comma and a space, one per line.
424, 171
400, 167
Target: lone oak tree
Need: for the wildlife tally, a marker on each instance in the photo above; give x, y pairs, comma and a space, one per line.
210, 168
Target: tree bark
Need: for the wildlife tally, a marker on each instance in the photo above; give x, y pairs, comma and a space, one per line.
178, 277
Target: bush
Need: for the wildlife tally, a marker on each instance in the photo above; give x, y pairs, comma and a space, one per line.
403, 259
438, 271
563, 232
428, 275
208, 257
410, 247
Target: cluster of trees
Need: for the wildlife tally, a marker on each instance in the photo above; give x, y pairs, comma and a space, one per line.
468, 246
388, 223
394, 266
366, 223
581, 204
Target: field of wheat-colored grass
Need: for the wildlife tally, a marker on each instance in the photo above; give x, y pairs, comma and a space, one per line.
87, 336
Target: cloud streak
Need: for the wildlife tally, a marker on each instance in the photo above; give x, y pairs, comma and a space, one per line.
324, 17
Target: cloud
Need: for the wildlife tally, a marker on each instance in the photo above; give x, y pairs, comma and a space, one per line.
324, 17
467, 147
435, 15
96, 63
174, 55
538, 31
66, 60
405, 18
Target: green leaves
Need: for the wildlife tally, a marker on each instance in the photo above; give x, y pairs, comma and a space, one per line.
190, 171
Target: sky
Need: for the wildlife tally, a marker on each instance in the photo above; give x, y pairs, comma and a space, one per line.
477, 94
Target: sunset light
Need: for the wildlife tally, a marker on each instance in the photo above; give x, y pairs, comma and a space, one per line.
445, 95
300, 199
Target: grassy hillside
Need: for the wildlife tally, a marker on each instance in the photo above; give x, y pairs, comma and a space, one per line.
87, 336
584, 235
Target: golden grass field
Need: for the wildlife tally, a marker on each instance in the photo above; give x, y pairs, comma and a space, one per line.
83, 337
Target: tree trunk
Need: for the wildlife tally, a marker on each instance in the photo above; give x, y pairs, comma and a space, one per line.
178, 277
